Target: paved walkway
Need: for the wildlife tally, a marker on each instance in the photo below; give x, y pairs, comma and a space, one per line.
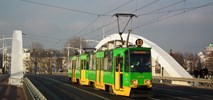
10, 92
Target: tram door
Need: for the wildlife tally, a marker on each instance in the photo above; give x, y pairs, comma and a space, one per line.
83, 74
73, 70
118, 72
99, 72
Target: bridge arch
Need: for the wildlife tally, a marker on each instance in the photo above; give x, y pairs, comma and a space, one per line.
168, 66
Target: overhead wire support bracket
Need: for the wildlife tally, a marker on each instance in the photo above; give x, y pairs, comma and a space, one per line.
118, 15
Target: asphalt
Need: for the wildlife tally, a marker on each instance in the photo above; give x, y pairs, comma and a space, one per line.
10, 92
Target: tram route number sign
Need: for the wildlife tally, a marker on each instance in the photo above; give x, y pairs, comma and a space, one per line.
139, 42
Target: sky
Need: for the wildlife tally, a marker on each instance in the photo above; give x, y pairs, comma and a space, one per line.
180, 25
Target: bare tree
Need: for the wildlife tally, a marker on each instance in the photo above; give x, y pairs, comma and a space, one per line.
178, 57
190, 61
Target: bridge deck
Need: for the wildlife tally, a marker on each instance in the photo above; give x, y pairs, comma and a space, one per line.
10, 92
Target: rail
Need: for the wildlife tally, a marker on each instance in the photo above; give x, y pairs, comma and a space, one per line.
32, 93
196, 82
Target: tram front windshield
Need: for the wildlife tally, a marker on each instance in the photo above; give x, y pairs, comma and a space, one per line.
140, 61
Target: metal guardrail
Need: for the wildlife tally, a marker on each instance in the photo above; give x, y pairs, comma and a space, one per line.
60, 73
207, 83
31, 91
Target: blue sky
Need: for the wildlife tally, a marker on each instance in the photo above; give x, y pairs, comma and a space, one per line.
191, 31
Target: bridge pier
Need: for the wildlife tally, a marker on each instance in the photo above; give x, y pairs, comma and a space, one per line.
16, 74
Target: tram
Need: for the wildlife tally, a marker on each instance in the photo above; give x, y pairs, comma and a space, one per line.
121, 71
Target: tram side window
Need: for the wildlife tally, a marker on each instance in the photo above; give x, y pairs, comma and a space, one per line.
102, 63
77, 64
105, 63
109, 67
73, 64
119, 63
108, 60
90, 62
97, 63
94, 63
116, 64
82, 64
127, 67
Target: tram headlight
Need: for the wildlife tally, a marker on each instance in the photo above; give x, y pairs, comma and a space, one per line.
148, 83
134, 83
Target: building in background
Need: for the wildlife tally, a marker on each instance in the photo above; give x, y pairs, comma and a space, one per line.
206, 57
26, 60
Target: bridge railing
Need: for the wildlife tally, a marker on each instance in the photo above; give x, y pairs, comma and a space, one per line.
31, 91
196, 82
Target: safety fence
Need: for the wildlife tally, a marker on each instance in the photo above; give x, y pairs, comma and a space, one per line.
196, 82
31, 91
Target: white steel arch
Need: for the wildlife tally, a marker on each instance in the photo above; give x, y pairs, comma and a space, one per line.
170, 66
